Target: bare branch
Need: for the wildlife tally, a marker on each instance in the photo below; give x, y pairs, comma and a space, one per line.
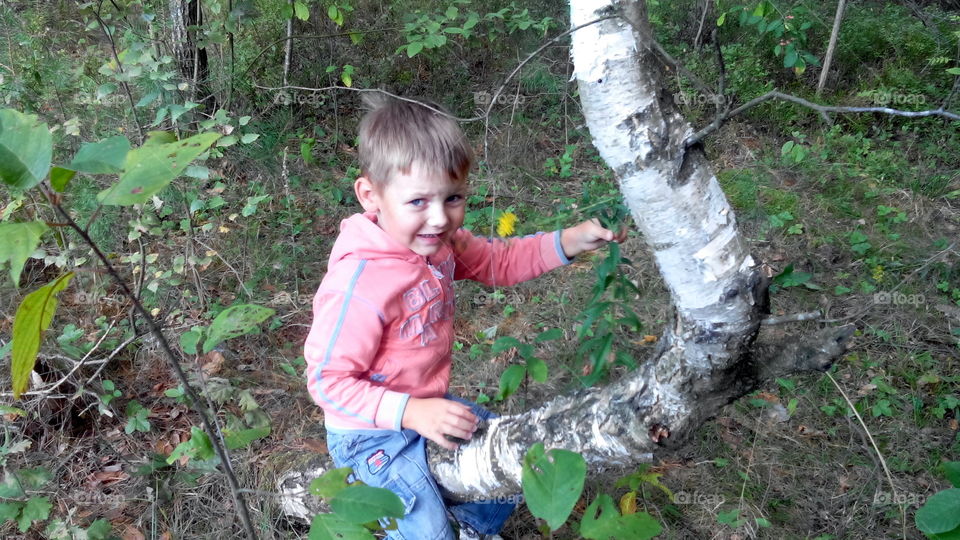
822, 109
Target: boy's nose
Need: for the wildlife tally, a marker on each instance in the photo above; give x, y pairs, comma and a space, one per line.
437, 217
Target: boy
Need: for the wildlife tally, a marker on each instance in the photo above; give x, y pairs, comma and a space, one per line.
378, 353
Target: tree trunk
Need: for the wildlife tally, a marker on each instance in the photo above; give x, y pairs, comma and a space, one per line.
709, 354
186, 17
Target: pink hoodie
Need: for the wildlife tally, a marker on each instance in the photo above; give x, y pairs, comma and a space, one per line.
383, 317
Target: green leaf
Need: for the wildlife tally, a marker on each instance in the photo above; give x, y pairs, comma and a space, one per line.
330, 483
36, 509
235, 321
60, 177
301, 11
10, 488
414, 48
510, 380
198, 447
537, 369
721, 19
602, 521
32, 319
504, 343
552, 482
331, 527
250, 137
104, 157
34, 478
362, 504
954, 71
17, 242
26, 148
105, 90
149, 169
99, 530
189, 340
951, 470
941, 513
547, 335
790, 59
244, 437
10, 510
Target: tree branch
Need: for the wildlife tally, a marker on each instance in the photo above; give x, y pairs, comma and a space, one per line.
822, 109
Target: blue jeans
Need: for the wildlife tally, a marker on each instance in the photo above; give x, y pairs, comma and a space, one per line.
397, 460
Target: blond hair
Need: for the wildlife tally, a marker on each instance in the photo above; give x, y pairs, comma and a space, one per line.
395, 134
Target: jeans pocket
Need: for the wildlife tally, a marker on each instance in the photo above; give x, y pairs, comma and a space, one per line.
400, 488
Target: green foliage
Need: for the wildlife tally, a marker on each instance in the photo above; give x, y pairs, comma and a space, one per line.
789, 28
17, 242
602, 521
552, 481
150, 168
31, 321
233, 322
26, 148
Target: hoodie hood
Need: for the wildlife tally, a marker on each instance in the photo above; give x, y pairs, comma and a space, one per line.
361, 238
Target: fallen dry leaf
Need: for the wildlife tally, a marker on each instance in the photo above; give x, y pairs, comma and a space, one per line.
313, 445
211, 363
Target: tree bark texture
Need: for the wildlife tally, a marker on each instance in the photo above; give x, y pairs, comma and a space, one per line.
709, 354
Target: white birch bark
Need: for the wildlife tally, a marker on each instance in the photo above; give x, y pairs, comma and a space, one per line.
708, 355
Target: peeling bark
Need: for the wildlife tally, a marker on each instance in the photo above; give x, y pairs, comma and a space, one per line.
709, 354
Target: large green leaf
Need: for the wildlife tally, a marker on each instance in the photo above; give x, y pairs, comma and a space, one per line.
243, 437
36, 509
32, 319
234, 321
331, 527
17, 242
552, 482
25, 149
330, 483
363, 504
104, 157
610, 524
941, 512
149, 169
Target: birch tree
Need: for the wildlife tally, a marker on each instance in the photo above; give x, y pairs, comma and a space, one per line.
713, 349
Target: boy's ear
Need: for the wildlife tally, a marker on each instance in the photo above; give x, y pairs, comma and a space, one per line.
367, 194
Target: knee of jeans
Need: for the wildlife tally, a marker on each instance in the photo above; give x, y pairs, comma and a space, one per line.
424, 515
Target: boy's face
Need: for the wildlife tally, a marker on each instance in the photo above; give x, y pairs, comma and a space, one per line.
420, 210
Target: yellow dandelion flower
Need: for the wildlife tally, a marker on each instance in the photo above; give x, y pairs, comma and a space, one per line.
505, 225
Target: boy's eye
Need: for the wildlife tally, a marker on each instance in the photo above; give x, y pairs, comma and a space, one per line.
455, 198
417, 202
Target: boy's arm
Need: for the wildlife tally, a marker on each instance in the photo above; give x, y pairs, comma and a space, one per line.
342, 344
495, 261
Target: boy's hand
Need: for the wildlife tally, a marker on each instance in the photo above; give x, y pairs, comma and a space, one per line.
588, 236
434, 418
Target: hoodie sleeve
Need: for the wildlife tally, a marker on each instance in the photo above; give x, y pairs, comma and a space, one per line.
340, 348
495, 261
